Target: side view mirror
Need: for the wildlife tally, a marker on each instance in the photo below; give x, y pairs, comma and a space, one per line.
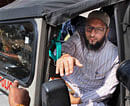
123, 73
55, 93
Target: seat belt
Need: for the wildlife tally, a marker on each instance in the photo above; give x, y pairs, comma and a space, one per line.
56, 42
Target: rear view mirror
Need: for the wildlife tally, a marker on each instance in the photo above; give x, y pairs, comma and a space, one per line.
55, 93
123, 73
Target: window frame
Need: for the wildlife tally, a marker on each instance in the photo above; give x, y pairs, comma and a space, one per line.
34, 48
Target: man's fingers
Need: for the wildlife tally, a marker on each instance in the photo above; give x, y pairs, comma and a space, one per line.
57, 67
61, 69
15, 83
77, 63
71, 65
66, 65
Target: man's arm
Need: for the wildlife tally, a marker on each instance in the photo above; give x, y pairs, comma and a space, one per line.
18, 96
65, 64
106, 90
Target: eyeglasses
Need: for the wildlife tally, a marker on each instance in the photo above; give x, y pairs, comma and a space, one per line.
96, 29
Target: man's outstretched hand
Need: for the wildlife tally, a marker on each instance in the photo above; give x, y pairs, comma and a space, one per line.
18, 95
65, 64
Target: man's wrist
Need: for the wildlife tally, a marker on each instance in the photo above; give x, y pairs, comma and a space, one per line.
65, 55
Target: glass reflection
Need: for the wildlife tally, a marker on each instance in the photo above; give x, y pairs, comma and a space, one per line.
16, 45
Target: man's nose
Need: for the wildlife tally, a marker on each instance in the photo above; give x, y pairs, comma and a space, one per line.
93, 33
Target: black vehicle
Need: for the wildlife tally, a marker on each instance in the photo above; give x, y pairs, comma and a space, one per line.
27, 28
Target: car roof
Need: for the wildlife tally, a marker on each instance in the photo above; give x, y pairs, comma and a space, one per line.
54, 12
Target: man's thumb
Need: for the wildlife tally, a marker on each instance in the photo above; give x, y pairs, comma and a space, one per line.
15, 83
77, 63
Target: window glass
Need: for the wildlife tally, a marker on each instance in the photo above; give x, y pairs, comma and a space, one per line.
16, 49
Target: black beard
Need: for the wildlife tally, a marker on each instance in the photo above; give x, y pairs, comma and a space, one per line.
97, 45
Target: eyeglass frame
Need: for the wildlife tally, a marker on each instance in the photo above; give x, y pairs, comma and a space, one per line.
96, 29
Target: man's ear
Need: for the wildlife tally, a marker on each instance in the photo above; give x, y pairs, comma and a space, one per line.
107, 32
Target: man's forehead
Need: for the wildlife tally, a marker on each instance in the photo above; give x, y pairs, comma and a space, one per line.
96, 21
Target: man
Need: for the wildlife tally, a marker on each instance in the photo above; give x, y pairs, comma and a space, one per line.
94, 80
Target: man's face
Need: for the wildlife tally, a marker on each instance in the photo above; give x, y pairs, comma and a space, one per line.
96, 33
